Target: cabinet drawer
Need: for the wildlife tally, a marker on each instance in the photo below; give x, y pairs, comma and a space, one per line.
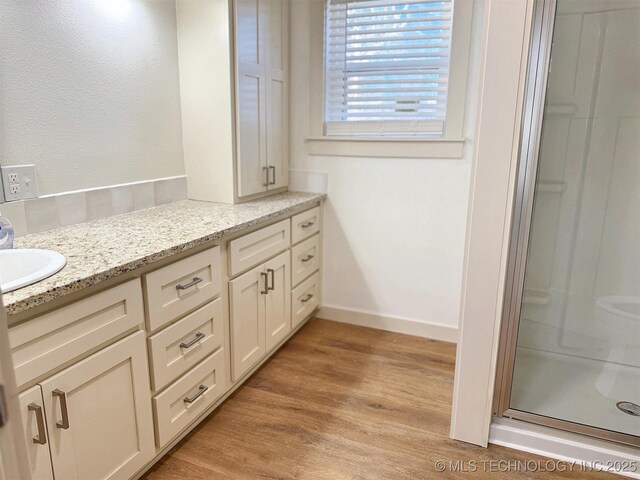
44, 343
180, 287
182, 402
305, 298
180, 346
254, 248
305, 224
305, 259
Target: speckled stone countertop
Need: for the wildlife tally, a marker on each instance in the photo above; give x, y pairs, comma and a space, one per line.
99, 250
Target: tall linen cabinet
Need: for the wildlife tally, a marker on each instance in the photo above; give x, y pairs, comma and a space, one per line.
234, 76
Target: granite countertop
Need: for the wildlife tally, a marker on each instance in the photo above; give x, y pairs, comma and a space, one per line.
99, 250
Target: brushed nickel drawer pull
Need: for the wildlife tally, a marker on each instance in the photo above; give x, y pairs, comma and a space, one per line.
266, 283
307, 298
201, 389
272, 272
64, 424
308, 224
273, 169
192, 283
41, 438
199, 336
306, 259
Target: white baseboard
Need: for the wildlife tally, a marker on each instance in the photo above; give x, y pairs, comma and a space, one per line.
408, 326
566, 446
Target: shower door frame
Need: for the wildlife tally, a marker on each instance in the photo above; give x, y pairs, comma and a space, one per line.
530, 138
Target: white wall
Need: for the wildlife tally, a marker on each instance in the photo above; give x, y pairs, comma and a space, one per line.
89, 91
394, 228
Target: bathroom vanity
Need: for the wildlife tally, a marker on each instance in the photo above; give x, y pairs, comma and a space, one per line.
158, 316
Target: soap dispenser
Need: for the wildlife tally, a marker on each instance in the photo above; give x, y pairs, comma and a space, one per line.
6, 233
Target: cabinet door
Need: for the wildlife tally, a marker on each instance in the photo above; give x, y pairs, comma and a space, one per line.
247, 294
35, 429
251, 109
278, 308
277, 36
99, 413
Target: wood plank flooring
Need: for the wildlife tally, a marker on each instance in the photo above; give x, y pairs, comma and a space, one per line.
341, 402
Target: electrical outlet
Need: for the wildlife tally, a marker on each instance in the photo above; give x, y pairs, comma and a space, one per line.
19, 182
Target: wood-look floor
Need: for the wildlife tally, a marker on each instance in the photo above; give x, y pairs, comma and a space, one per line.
340, 402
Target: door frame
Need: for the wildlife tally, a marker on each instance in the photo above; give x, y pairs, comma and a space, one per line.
530, 140
14, 461
505, 40
535, 93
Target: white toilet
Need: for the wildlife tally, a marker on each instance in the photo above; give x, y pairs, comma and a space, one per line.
619, 319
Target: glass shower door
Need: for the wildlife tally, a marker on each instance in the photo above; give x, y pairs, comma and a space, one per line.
577, 353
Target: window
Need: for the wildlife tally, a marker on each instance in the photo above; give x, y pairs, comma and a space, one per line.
387, 67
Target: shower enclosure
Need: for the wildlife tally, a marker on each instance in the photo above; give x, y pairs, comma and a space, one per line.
570, 345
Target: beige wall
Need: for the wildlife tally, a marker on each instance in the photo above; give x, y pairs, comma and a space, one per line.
89, 91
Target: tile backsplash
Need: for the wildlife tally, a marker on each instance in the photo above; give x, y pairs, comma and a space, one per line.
63, 209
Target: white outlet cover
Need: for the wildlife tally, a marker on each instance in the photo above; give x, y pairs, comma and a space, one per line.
27, 186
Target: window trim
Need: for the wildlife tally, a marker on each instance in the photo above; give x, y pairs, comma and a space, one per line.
448, 146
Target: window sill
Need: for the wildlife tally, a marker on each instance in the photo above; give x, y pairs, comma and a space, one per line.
386, 147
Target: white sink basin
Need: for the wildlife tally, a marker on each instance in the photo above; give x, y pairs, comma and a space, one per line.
22, 267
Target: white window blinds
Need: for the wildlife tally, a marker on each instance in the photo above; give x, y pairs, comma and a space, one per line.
387, 65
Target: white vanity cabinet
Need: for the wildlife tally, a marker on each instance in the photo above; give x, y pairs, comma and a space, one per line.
278, 300
306, 260
99, 414
259, 298
186, 351
234, 49
247, 309
87, 414
260, 302
279, 292
112, 380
